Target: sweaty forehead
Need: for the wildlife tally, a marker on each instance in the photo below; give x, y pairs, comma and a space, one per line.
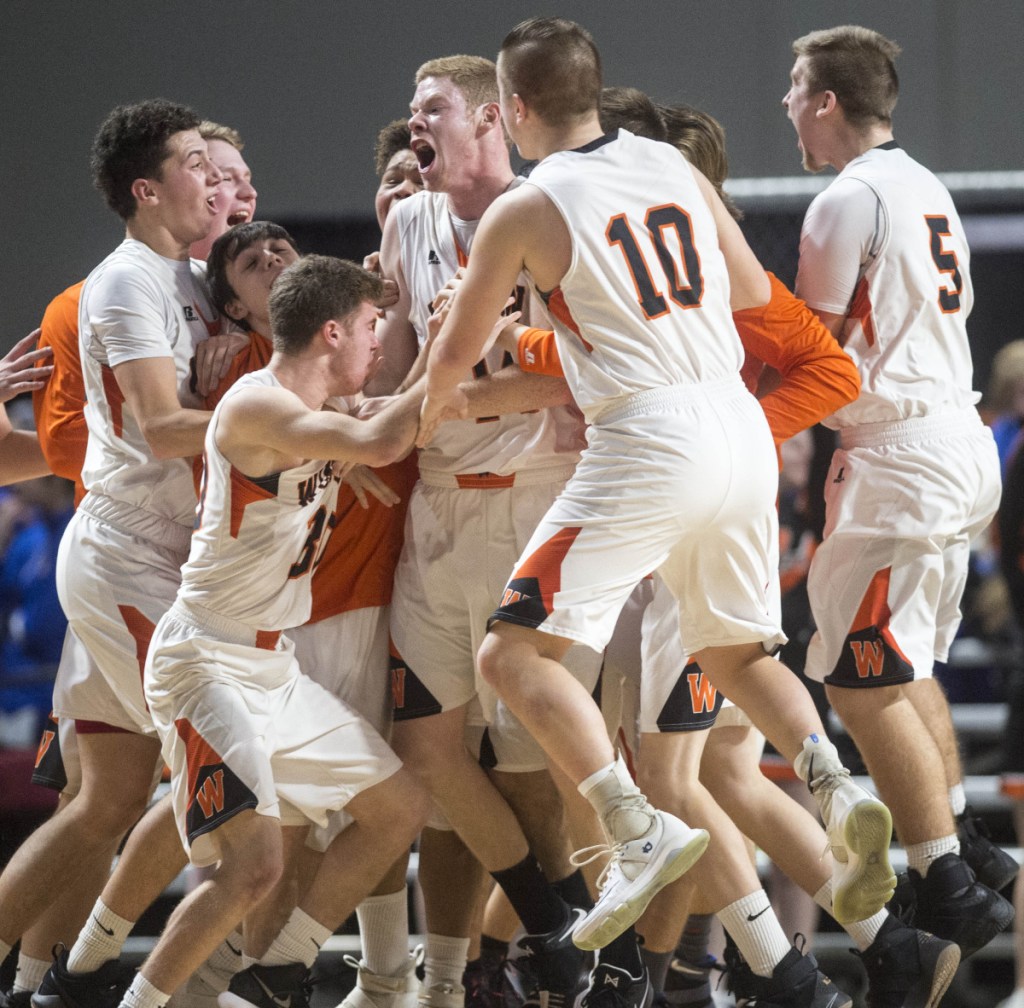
432, 88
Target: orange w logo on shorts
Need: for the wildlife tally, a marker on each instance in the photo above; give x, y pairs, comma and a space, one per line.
702, 694
211, 795
868, 657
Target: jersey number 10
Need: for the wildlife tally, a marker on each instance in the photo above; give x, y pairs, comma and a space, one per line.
685, 283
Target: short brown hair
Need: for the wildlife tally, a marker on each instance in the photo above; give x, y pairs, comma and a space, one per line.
554, 66
858, 65
630, 109
392, 138
474, 76
700, 138
210, 130
226, 249
313, 291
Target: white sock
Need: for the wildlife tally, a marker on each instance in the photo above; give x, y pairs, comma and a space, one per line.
223, 963
444, 960
958, 799
300, 940
623, 810
101, 939
30, 973
384, 932
756, 930
142, 994
921, 855
818, 756
864, 932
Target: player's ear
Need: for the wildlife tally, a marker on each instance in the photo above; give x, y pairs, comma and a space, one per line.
144, 191
827, 104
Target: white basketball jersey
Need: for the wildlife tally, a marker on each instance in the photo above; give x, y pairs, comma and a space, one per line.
430, 254
137, 304
258, 540
645, 301
885, 246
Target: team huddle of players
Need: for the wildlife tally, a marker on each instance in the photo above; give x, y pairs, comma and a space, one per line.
356, 549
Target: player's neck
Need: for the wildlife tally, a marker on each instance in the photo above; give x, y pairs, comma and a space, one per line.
294, 373
157, 237
470, 199
853, 144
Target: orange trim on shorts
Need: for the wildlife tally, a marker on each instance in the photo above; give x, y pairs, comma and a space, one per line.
484, 481
1011, 785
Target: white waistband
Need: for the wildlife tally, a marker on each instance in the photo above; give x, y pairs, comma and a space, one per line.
657, 399
912, 431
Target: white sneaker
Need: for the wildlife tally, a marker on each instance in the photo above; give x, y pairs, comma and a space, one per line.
859, 831
442, 995
375, 990
637, 870
1015, 1000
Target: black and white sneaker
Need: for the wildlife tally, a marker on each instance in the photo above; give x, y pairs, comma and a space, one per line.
796, 982
556, 966
689, 985
990, 863
260, 986
952, 904
907, 968
612, 987
101, 988
15, 999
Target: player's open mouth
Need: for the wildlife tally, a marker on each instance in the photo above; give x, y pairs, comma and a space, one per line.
425, 154
238, 217
211, 202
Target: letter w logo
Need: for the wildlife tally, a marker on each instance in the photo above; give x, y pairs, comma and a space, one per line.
211, 795
702, 694
869, 657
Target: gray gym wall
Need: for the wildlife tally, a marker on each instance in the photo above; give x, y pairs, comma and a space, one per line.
309, 82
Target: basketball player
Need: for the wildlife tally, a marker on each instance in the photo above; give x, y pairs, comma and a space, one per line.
884, 263
254, 745
22, 369
636, 391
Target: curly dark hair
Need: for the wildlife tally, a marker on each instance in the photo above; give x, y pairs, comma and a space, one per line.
131, 143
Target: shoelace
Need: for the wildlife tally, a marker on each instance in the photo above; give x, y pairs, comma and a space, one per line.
587, 855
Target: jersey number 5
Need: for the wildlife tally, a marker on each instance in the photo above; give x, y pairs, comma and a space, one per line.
680, 263
945, 262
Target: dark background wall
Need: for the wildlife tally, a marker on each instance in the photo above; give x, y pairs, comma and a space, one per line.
308, 83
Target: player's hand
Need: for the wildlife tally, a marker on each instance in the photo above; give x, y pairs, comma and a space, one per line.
448, 291
433, 413
19, 371
214, 357
365, 482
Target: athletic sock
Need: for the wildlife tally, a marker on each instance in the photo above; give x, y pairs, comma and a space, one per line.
864, 932
100, 940
957, 799
444, 960
142, 994
694, 941
622, 809
573, 889
30, 973
817, 756
300, 940
537, 904
754, 927
921, 855
623, 952
384, 932
657, 964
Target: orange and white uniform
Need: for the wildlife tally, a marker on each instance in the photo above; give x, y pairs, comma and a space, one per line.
240, 725
678, 474
483, 487
916, 475
118, 566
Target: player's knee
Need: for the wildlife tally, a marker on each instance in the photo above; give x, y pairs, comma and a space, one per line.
401, 804
102, 816
493, 660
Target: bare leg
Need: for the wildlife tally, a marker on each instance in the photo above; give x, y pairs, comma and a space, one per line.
902, 758
452, 880
929, 700
117, 770
538, 807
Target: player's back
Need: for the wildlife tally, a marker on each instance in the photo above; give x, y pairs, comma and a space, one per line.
645, 301
908, 310
258, 540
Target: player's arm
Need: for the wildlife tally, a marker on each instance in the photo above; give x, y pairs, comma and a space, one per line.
499, 251
395, 332
263, 430
512, 390
150, 389
21, 458
817, 377
748, 284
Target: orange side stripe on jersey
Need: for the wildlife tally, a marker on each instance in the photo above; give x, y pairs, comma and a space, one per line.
557, 306
243, 493
267, 639
860, 309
